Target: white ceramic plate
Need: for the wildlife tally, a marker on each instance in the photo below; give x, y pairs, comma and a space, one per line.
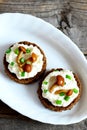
60, 52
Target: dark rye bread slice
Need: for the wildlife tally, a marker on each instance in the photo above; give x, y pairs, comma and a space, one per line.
48, 104
28, 80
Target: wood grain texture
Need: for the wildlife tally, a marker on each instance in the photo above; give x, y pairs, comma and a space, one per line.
70, 16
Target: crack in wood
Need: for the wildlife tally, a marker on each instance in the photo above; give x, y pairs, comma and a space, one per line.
64, 18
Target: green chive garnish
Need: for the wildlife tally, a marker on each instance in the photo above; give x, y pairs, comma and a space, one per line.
8, 51
28, 50
16, 51
22, 60
65, 83
23, 74
45, 82
12, 63
45, 90
75, 90
62, 94
59, 102
66, 98
68, 77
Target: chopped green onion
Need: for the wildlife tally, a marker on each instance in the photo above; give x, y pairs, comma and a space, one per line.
68, 77
28, 50
45, 82
16, 51
62, 94
8, 51
66, 98
22, 60
75, 90
23, 74
12, 63
59, 102
65, 83
45, 90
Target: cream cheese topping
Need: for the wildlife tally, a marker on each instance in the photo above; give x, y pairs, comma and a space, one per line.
70, 84
12, 57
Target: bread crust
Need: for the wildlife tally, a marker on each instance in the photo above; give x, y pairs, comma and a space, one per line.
48, 104
28, 80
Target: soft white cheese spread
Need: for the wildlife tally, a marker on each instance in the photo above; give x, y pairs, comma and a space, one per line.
12, 57
70, 84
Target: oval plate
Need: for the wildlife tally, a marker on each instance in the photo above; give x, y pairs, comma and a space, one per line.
60, 51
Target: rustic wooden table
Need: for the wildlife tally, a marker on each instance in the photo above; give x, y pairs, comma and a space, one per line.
70, 16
